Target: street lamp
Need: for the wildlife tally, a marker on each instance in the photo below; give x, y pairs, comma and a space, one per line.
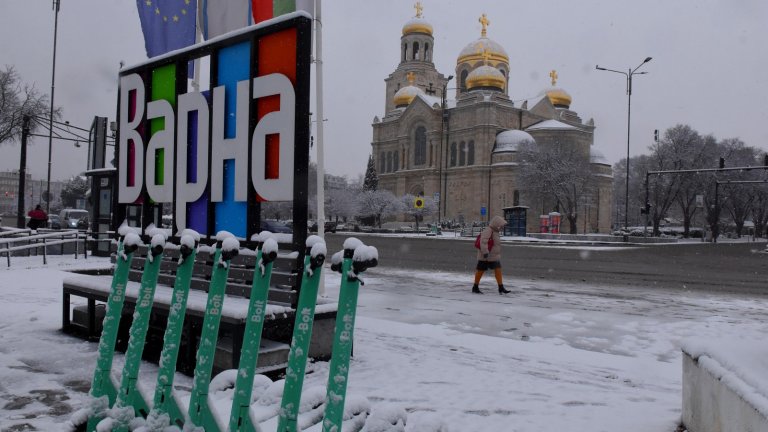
628, 75
56, 7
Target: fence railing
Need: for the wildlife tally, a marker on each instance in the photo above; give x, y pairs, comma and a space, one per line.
14, 240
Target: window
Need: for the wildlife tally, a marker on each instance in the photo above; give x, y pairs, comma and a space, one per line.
453, 154
471, 153
405, 52
415, 51
389, 162
462, 154
382, 162
516, 198
420, 149
463, 85
396, 164
426, 52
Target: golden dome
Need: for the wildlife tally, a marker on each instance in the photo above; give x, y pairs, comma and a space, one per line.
472, 53
407, 94
486, 76
557, 96
417, 24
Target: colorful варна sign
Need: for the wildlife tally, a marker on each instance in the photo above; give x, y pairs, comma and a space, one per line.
216, 155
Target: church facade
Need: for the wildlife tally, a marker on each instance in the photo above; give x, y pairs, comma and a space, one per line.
462, 151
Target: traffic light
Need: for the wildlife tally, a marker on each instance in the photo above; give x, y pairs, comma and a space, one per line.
418, 202
722, 163
656, 135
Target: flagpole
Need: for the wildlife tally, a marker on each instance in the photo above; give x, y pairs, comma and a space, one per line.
320, 120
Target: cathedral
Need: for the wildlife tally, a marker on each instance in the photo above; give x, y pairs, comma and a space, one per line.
462, 151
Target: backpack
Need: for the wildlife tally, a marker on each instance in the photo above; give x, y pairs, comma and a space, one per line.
477, 242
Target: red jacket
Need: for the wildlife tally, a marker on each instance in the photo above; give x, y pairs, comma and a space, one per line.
37, 214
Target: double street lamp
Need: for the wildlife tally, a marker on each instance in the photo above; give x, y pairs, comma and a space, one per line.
628, 75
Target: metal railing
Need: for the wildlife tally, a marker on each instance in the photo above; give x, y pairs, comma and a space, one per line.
15, 240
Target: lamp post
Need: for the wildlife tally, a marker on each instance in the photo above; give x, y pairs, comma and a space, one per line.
56, 6
442, 155
628, 75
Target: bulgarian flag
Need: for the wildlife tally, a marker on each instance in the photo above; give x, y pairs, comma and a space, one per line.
266, 9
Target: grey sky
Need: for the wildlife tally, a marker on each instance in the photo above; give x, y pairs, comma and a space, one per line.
707, 69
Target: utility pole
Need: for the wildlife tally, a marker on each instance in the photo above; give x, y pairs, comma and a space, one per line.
22, 172
56, 6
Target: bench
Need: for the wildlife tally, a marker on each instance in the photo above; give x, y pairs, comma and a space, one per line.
84, 320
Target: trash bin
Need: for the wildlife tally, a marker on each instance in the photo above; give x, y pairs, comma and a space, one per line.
544, 224
554, 222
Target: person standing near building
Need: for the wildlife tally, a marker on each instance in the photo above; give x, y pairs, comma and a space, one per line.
490, 257
37, 218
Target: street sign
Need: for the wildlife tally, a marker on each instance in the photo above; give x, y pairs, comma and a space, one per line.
483, 211
418, 202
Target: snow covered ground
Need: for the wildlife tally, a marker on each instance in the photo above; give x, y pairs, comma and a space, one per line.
548, 357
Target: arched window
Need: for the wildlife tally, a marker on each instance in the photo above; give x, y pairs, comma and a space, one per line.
453, 154
405, 52
516, 198
389, 162
396, 164
462, 153
463, 83
426, 52
415, 51
471, 153
382, 162
420, 148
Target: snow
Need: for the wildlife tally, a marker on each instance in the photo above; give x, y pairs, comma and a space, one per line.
337, 258
221, 235
125, 229
318, 249
230, 244
313, 240
365, 253
188, 240
351, 243
550, 357
270, 245
190, 232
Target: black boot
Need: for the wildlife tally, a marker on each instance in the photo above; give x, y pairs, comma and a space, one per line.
503, 290
476, 289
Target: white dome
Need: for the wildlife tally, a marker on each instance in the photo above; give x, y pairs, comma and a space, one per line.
509, 140
406, 95
596, 156
474, 51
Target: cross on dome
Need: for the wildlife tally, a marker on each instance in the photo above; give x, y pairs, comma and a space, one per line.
419, 8
411, 77
553, 75
484, 21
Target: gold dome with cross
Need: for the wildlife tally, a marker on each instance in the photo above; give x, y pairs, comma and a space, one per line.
472, 53
417, 24
557, 96
486, 76
407, 94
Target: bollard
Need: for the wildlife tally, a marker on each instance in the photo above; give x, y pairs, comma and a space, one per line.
355, 261
302, 334
239, 419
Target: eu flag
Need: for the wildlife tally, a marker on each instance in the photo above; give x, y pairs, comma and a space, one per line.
167, 24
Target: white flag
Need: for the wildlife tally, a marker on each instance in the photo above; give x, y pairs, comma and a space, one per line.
222, 16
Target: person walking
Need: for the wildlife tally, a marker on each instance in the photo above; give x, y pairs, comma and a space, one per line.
490, 257
37, 218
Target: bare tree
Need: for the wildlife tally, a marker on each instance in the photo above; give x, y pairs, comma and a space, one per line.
16, 101
559, 172
738, 197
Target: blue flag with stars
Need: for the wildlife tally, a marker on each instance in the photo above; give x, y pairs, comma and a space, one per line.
167, 24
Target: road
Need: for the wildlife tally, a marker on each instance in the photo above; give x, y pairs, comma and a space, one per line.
721, 267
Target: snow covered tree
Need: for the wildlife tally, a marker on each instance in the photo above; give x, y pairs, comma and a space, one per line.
378, 204
557, 172
371, 182
417, 214
73, 190
16, 101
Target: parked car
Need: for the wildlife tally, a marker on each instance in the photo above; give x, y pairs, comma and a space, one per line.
275, 227
54, 222
329, 227
74, 218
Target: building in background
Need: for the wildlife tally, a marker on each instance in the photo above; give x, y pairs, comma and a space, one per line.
464, 151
